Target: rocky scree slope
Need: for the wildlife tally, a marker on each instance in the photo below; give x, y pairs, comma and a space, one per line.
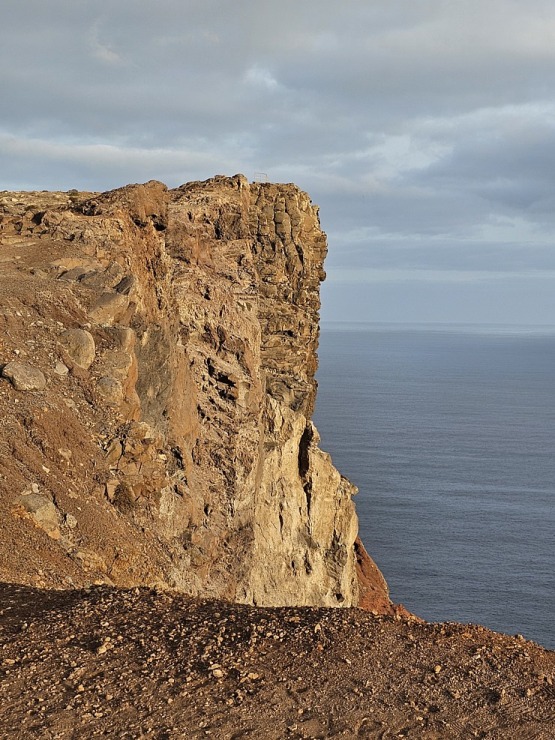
109, 662
157, 354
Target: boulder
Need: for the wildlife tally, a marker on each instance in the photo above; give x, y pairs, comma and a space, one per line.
110, 390
43, 512
79, 346
24, 377
109, 308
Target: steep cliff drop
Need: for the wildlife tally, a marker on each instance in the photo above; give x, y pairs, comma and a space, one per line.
158, 351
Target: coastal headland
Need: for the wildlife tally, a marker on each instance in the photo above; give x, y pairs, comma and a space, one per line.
171, 534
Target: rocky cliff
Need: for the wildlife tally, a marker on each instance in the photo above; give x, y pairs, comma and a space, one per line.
158, 351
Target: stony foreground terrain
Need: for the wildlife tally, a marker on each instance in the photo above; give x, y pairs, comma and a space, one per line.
143, 663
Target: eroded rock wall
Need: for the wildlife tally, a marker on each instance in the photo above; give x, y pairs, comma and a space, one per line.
176, 331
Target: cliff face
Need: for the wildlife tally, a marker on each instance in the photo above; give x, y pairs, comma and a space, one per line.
166, 437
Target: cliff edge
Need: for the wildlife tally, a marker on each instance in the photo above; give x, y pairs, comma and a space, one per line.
157, 353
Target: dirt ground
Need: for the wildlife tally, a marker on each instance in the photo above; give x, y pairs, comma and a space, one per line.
105, 662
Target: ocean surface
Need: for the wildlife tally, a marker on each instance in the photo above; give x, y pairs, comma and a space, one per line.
449, 434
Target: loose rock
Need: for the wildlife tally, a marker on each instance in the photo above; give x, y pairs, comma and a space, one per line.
43, 512
109, 308
70, 521
24, 377
110, 390
80, 346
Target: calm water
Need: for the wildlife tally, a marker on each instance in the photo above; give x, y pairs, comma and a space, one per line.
449, 433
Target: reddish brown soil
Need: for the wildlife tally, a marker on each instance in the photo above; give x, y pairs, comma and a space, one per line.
140, 663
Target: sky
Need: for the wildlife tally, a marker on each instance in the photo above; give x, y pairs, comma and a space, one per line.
424, 130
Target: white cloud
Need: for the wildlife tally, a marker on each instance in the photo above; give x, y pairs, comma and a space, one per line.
261, 77
111, 165
102, 51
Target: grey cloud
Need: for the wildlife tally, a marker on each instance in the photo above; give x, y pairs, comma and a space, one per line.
524, 301
462, 257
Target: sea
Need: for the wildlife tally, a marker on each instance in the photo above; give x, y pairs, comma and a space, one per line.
448, 431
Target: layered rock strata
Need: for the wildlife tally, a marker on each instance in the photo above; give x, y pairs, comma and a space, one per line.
171, 442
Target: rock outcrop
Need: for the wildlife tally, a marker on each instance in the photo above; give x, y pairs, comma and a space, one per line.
171, 442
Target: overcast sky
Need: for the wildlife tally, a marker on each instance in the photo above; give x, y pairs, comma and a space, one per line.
424, 129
